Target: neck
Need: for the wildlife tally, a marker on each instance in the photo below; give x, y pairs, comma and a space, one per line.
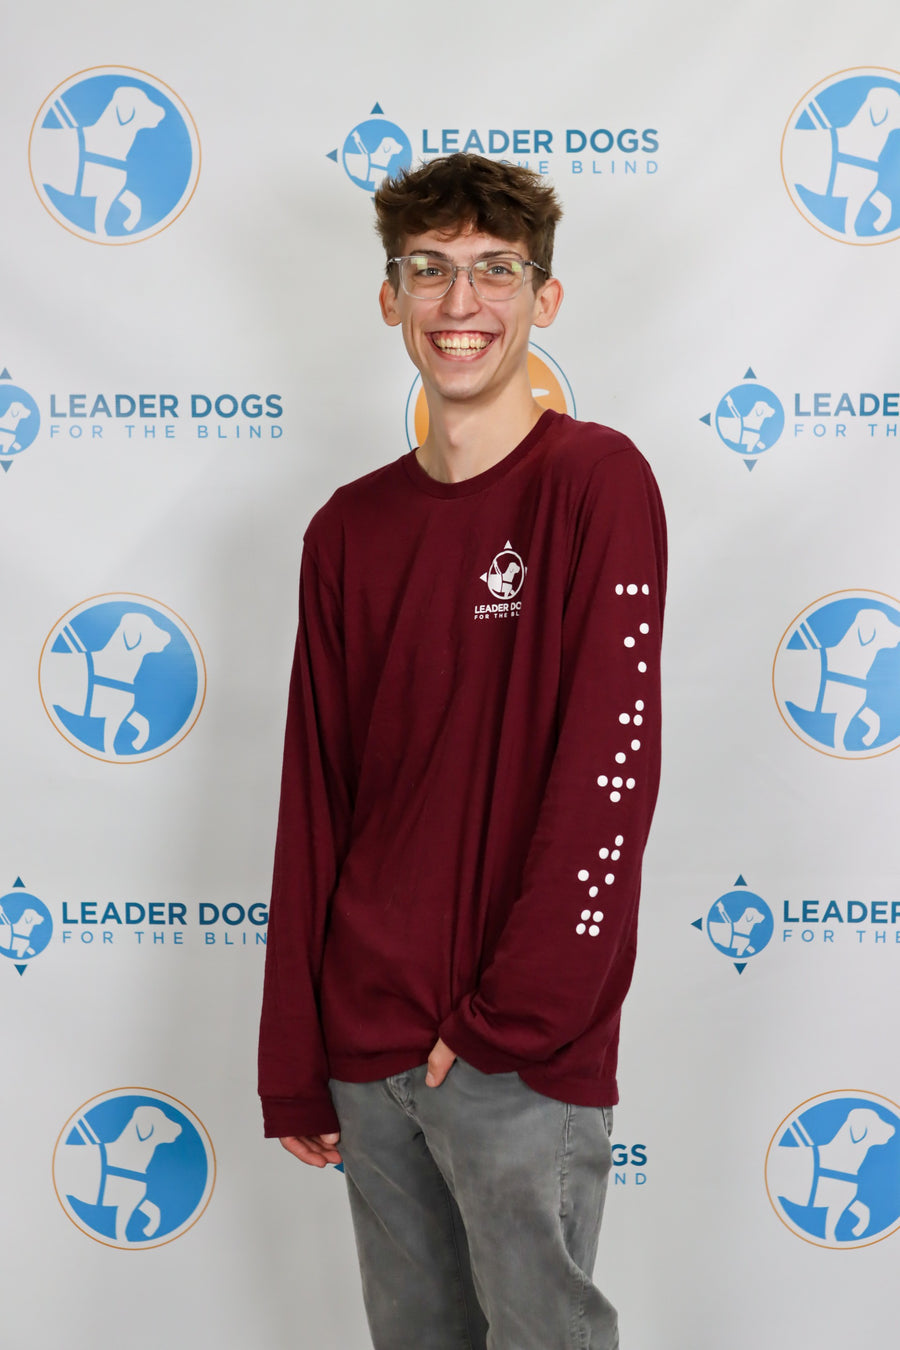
464, 440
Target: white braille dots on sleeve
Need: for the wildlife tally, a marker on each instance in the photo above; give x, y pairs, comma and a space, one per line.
615, 780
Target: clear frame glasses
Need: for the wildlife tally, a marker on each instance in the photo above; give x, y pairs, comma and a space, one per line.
426, 277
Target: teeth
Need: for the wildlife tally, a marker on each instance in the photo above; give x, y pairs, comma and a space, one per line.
460, 342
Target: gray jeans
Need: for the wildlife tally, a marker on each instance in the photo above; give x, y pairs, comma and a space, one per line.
477, 1209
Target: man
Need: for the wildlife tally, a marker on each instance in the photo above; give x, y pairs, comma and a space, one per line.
471, 765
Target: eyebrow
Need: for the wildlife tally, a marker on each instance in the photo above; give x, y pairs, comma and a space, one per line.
482, 257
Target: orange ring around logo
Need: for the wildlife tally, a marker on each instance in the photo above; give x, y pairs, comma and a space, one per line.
792, 1115
840, 239
881, 595
205, 1139
195, 172
195, 712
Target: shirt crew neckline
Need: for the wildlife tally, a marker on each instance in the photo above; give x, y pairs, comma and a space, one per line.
421, 480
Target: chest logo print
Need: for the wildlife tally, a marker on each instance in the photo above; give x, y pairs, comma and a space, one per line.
506, 574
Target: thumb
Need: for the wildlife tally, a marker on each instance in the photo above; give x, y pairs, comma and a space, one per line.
329, 1138
437, 1068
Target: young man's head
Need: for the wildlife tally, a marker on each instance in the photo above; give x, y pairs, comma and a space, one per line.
469, 250
462, 194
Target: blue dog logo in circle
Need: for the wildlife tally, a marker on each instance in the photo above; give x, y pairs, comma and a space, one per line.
840, 156
26, 926
837, 674
833, 1170
20, 422
134, 1168
749, 419
374, 150
122, 678
740, 924
114, 155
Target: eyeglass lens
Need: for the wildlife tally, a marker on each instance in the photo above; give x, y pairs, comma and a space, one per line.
493, 278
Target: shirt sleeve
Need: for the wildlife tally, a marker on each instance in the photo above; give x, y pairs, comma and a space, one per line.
313, 824
564, 958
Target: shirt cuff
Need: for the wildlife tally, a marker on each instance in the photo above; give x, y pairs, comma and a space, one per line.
290, 1116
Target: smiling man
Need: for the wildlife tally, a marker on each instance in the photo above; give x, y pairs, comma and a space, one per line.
471, 765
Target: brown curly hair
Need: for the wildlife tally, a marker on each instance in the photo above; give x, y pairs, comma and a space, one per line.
468, 192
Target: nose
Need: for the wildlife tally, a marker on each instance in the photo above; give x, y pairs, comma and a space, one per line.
461, 299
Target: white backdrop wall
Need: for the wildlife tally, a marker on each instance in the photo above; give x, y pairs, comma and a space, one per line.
224, 248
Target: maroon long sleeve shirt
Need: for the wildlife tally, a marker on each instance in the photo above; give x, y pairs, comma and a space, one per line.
471, 765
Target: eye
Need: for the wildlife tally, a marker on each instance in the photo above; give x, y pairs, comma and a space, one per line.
500, 268
426, 268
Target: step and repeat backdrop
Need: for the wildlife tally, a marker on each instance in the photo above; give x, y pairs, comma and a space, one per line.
191, 361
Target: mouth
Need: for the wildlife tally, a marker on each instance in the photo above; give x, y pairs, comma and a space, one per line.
455, 344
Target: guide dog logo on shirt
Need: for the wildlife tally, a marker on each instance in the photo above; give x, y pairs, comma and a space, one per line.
833, 1170
840, 156
122, 678
133, 1168
374, 150
506, 574
504, 579
836, 675
114, 155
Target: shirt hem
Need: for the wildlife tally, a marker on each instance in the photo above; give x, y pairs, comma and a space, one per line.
372, 1068
574, 1090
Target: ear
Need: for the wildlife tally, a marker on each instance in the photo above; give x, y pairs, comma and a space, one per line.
132, 630
143, 1123
547, 302
124, 102
387, 298
878, 111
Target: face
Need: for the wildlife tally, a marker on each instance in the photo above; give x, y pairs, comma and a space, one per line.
465, 348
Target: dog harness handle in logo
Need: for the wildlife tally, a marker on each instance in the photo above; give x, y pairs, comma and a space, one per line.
840, 157
93, 679
801, 1135
75, 644
86, 156
834, 677
89, 1135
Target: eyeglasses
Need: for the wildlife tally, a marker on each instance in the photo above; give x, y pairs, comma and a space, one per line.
428, 278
